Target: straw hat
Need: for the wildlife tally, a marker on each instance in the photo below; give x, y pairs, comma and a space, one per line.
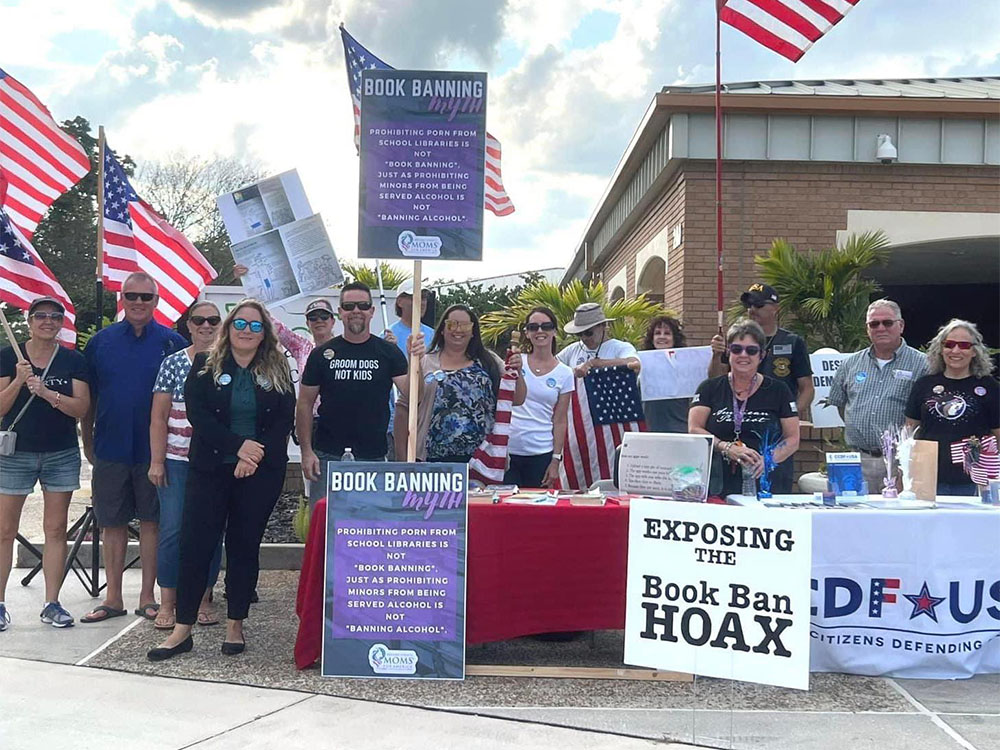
586, 316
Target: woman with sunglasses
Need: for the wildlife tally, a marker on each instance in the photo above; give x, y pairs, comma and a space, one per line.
41, 398
739, 408
538, 426
458, 402
956, 400
668, 414
169, 441
240, 402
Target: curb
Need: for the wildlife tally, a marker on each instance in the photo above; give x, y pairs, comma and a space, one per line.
272, 556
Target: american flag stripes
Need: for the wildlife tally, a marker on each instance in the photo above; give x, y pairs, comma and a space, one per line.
136, 238
358, 59
24, 277
589, 450
489, 461
789, 27
980, 458
39, 161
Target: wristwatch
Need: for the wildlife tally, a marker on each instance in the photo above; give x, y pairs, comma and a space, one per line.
557, 456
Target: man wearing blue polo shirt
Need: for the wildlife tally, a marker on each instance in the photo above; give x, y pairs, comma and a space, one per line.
123, 360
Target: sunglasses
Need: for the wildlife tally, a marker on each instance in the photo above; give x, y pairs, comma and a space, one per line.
588, 333
757, 305
144, 296
535, 327
256, 326
952, 344
200, 320
350, 306
751, 350
458, 325
315, 317
55, 317
873, 324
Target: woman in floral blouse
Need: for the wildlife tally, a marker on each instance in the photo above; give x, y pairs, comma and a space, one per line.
459, 398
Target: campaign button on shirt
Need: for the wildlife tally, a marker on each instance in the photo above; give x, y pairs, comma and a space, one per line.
225, 379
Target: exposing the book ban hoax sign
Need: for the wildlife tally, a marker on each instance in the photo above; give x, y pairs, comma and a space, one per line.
395, 570
720, 591
423, 149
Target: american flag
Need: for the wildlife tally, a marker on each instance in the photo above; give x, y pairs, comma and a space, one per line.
613, 394
39, 160
789, 27
358, 58
136, 238
979, 457
24, 277
589, 450
489, 461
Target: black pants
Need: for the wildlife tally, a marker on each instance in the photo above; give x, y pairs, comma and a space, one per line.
216, 501
527, 471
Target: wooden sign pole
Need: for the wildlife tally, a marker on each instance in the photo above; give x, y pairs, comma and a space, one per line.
10, 336
415, 374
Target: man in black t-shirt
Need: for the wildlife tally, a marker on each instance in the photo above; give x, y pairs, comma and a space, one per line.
353, 375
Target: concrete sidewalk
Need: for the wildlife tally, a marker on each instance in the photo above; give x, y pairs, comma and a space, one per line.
54, 705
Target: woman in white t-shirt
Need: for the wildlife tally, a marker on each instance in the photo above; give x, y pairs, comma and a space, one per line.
538, 426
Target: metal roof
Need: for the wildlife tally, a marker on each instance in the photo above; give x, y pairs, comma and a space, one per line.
985, 87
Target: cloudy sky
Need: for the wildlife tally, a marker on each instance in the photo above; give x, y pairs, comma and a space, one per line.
569, 81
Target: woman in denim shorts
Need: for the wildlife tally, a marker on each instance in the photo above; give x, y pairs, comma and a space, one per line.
43, 412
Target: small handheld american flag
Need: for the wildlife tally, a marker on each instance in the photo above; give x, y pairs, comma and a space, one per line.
979, 457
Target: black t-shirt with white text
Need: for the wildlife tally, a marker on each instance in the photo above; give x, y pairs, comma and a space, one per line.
950, 410
354, 382
43, 428
765, 409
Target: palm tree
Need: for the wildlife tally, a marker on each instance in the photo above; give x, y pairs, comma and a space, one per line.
824, 294
631, 316
392, 276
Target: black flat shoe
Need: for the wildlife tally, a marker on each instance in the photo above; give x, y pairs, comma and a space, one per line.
232, 649
161, 654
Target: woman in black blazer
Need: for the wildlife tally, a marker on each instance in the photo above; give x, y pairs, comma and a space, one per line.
241, 405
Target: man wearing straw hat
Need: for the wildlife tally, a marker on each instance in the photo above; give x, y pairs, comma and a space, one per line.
595, 349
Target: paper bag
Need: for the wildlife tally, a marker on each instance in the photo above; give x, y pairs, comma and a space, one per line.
924, 469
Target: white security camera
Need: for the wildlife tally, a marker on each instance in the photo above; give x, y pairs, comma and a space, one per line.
885, 152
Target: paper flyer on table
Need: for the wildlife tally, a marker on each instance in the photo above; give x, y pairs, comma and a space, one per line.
263, 206
673, 373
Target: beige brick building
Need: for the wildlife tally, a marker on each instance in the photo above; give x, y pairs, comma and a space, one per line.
800, 163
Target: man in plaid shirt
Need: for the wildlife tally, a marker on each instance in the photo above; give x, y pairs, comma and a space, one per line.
872, 386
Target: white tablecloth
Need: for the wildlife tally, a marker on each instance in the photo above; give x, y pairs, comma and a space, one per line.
906, 593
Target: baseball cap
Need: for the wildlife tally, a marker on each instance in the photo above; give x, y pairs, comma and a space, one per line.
319, 304
46, 300
758, 294
407, 288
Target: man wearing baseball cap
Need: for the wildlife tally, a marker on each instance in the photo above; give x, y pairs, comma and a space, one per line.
786, 358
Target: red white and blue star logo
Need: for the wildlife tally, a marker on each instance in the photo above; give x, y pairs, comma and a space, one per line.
923, 603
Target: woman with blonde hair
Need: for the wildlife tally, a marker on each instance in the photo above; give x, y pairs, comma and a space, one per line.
241, 404
957, 399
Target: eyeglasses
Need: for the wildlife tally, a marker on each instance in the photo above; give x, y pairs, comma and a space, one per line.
535, 327
255, 325
349, 306
952, 344
458, 326
873, 324
588, 333
55, 317
752, 350
144, 296
318, 315
200, 320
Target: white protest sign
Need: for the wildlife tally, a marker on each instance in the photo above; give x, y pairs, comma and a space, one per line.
720, 591
673, 373
263, 206
825, 363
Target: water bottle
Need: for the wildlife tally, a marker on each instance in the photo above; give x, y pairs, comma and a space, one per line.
348, 455
749, 483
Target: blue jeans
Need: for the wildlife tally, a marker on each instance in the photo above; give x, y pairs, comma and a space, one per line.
171, 511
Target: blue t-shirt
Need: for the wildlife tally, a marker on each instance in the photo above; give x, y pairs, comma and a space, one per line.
122, 369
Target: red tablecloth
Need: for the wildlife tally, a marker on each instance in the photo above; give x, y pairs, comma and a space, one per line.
530, 570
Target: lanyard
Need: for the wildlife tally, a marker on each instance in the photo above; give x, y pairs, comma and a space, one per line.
740, 408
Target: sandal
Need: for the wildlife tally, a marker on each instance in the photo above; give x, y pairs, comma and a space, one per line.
207, 617
148, 611
165, 620
102, 613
